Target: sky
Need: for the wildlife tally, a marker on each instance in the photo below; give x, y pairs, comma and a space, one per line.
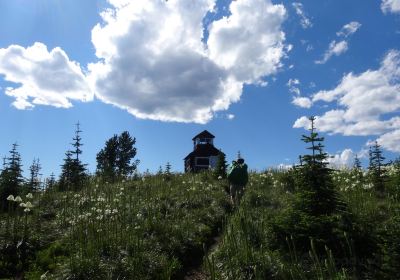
248, 71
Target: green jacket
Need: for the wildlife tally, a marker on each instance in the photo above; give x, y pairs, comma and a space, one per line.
237, 174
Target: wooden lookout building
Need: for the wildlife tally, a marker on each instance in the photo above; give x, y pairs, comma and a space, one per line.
204, 155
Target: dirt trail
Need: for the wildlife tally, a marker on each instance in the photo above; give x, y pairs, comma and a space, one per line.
197, 272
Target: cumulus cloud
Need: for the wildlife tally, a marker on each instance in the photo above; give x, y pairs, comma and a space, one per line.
304, 20
335, 48
42, 77
303, 102
390, 6
248, 43
345, 159
298, 100
390, 141
349, 29
154, 64
154, 61
368, 104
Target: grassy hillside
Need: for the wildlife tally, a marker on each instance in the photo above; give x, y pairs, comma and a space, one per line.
156, 227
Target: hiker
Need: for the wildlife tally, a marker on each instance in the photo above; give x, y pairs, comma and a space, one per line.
237, 177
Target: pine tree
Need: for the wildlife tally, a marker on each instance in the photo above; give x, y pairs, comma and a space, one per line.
107, 159
375, 169
66, 172
11, 178
73, 172
115, 159
357, 163
357, 169
167, 169
317, 212
220, 168
34, 170
77, 142
316, 189
126, 152
51, 182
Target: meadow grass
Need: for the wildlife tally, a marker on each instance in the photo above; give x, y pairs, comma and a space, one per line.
156, 227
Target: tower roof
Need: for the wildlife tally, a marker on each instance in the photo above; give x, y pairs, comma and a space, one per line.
204, 134
205, 150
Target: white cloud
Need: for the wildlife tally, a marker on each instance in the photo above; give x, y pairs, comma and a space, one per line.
298, 100
293, 84
153, 62
345, 159
335, 48
390, 141
349, 29
339, 47
368, 104
248, 43
230, 116
390, 6
303, 102
42, 77
304, 20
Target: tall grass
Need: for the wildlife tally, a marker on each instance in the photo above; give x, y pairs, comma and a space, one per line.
249, 247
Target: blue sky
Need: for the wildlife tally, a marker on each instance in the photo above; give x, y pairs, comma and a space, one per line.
249, 71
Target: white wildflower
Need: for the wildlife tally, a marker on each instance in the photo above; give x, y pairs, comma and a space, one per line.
10, 197
18, 199
23, 205
43, 276
29, 196
28, 205
27, 210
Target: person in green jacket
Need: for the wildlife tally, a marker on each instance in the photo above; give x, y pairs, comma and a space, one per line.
237, 177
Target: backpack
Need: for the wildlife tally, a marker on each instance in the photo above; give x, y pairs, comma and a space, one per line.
238, 175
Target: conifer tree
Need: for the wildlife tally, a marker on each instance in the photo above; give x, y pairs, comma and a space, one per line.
357, 163
11, 178
107, 159
115, 159
357, 169
51, 182
66, 172
167, 171
126, 152
376, 169
316, 189
317, 212
34, 170
220, 168
73, 172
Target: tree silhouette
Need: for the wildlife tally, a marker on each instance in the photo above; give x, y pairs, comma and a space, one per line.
375, 169
220, 168
115, 159
73, 171
34, 173
11, 178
